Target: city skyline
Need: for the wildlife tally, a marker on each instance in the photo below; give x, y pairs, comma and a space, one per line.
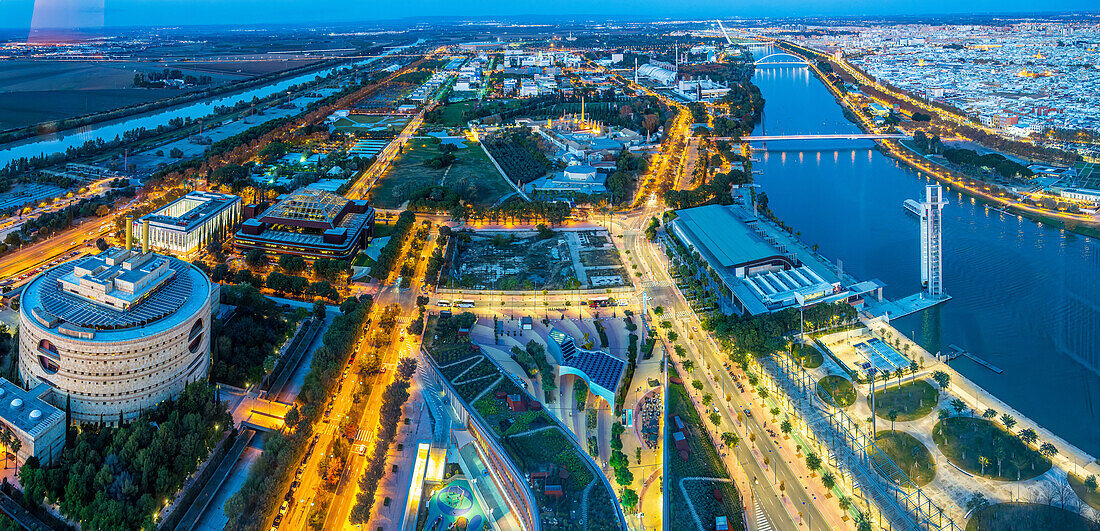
42, 14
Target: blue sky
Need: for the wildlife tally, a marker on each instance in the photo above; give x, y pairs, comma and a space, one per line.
18, 13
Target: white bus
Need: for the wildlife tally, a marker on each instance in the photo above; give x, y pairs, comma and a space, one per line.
443, 303
463, 303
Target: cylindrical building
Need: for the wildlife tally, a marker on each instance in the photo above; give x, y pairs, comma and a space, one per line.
115, 333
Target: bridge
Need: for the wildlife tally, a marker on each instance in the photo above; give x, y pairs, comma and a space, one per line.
855, 136
781, 58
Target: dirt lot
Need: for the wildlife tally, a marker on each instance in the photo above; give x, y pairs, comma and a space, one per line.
522, 260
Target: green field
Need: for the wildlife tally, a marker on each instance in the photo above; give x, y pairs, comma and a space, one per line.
451, 115
911, 401
471, 175
808, 356
964, 440
1027, 517
1090, 497
702, 461
841, 390
909, 454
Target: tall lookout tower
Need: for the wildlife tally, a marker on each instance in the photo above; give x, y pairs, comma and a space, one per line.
931, 251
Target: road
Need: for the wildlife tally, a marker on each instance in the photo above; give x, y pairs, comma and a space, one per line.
782, 512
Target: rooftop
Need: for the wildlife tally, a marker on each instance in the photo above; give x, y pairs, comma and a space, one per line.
25, 410
307, 207
191, 210
131, 291
723, 235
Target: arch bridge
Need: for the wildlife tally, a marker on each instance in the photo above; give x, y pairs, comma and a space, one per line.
781, 58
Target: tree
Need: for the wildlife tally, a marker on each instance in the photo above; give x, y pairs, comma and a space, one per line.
943, 413
715, 418
958, 405
1028, 436
898, 373
942, 379
731, 440
688, 365
255, 258
828, 480
892, 415
101, 244
786, 426
697, 384
989, 413
319, 309
1048, 450
1008, 420
707, 399
292, 264
984, 462
813, 462
1090, 482
623, 476
629, 499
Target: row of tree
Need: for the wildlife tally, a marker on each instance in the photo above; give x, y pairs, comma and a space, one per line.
259, 495
395, 396
387, 256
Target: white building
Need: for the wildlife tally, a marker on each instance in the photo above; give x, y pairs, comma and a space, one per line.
187, 224
39, 426
116, 333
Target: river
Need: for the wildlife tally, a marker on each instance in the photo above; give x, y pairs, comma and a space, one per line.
58, 143
1024, 294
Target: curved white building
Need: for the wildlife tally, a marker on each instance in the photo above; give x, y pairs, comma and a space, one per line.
115, 333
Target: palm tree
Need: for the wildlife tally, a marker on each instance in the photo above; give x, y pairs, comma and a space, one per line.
1048, 450
990, 413
828, 480
1008, 420
998, 452
730, 440
707, 399
892, 415
942, 379
958, 405
898, 373
5, 438
689, 365
913, 368
984, 461
1028, 436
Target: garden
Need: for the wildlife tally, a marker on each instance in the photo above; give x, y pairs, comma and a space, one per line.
911, 401
702, 461
1027, 517
908, 453
519, 155
423, 164
981, 447
838, 389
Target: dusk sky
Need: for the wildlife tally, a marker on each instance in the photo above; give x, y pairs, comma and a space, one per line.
93, 13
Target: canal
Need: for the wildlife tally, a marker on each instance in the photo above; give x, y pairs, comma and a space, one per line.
1025, 296
59, 143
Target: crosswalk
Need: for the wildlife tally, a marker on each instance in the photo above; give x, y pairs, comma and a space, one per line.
762, 523
363, 436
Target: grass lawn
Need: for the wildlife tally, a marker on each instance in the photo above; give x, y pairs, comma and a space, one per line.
964, 439
909, 454
703, 461
912, 401
1027, 517
451, 115
409, 174
841, 390
810, 357
1090, 497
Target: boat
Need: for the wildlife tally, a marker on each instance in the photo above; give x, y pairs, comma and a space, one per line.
912, 206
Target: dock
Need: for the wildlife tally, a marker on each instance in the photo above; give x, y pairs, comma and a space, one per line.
956, 351
914, 303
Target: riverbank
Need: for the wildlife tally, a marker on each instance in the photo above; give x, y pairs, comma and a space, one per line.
70, 125
1082, 225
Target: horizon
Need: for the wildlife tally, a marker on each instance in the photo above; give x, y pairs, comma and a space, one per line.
33, 15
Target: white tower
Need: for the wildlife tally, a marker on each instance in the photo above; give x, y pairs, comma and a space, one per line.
931, 252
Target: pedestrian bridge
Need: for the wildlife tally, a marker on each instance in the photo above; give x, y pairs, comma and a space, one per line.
857, 136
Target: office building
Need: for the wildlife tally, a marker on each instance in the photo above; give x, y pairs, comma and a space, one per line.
38, 425
310, 223
184, 226
116, 333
